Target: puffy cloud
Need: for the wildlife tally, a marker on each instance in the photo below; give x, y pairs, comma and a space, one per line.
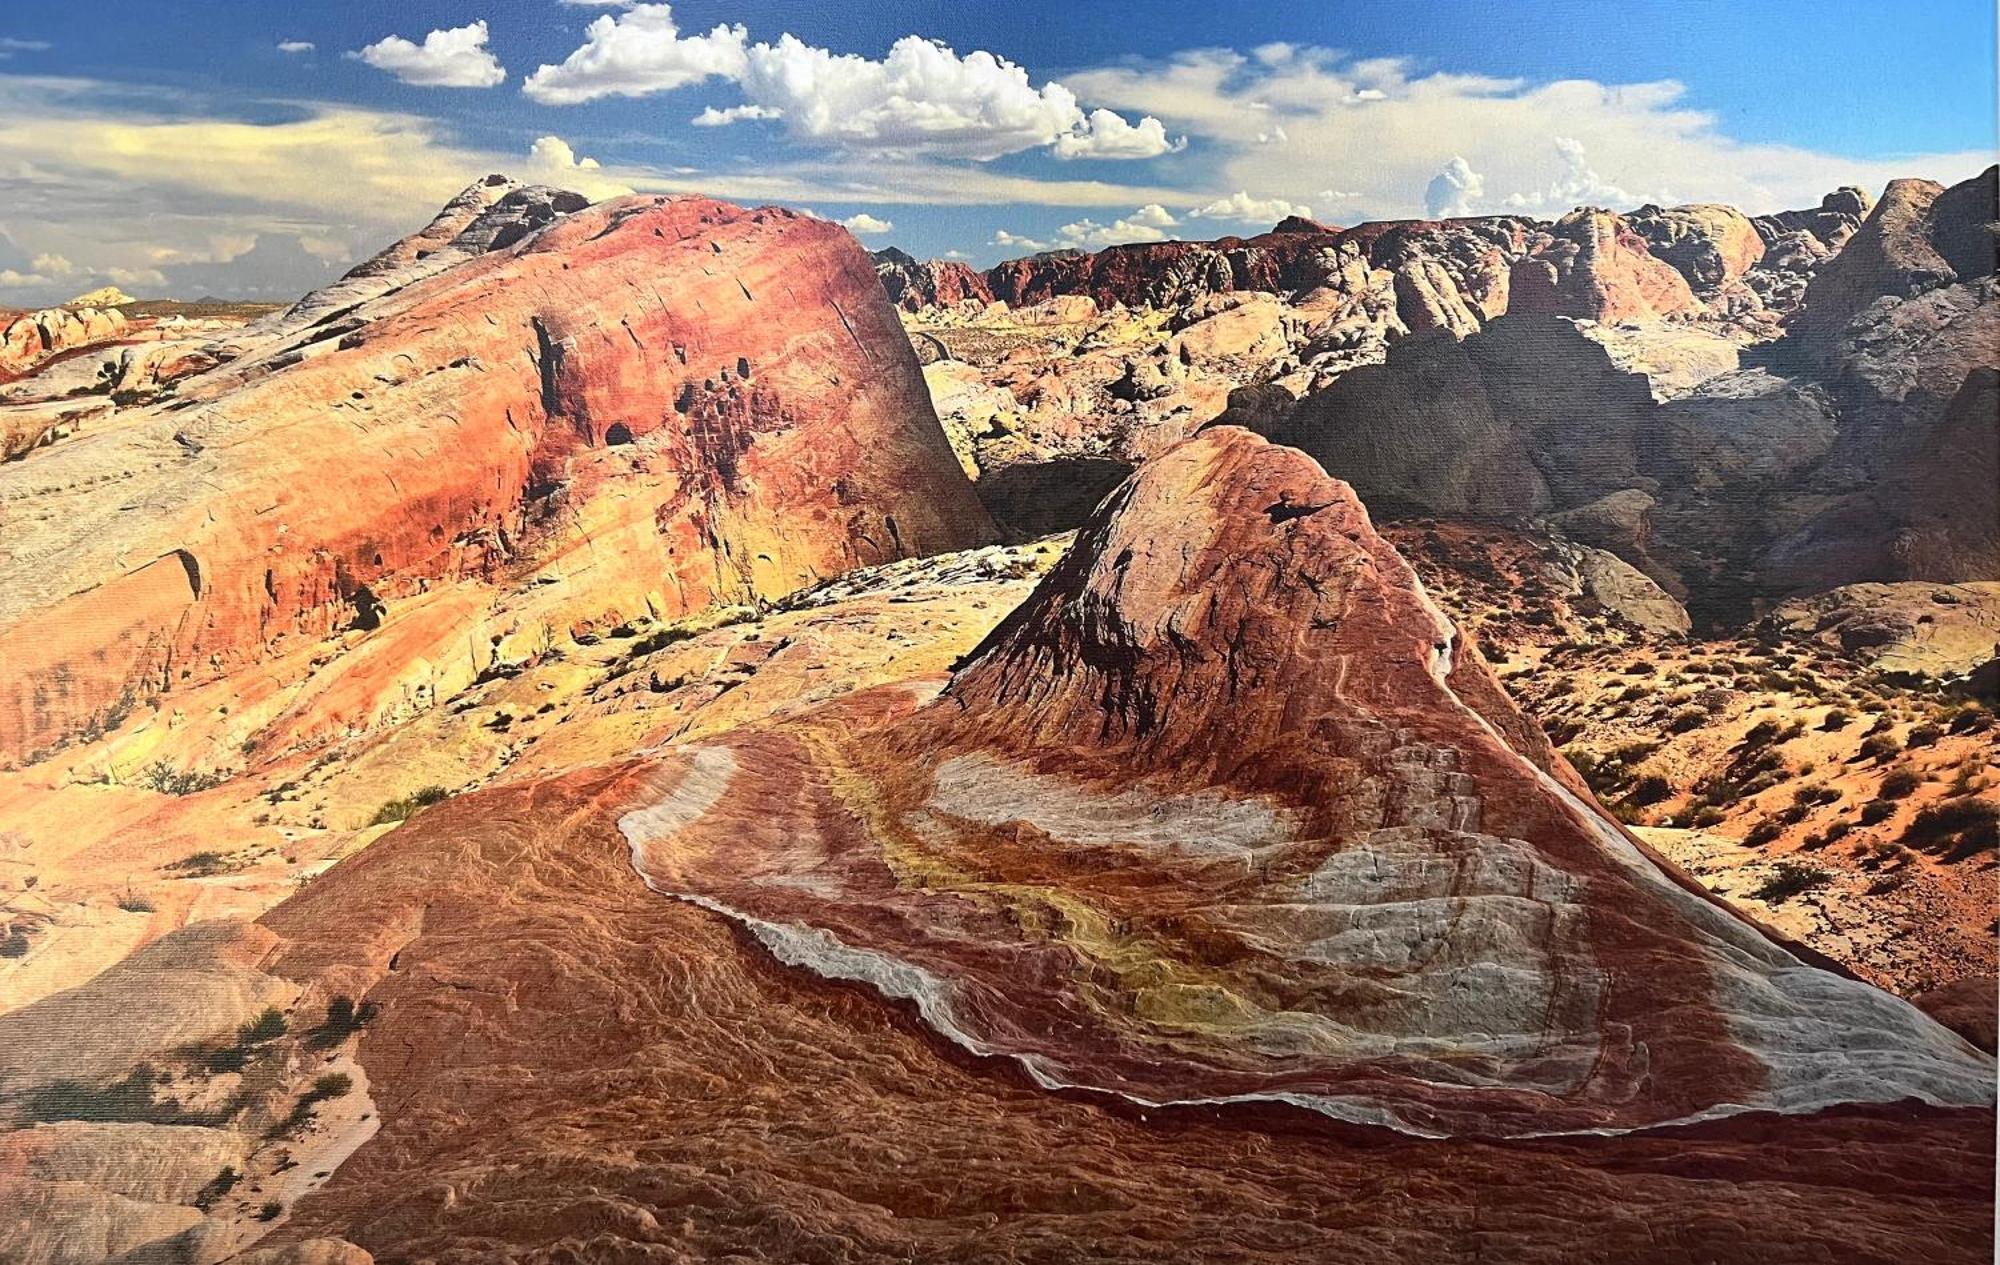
295, 46
552, 160
114, 177
1579, 185
454, 58
866, 223
1453, 192
712, 117
1143, 225
922, 98
925, 98
1015, 241
638, 52
1244, 209
1107, 135
1389, 128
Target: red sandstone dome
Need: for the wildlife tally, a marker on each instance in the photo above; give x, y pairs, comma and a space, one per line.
721, 396
1226, 812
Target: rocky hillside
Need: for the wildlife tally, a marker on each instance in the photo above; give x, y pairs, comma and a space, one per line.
1743, 409
533, 751
1218, 850
649, 407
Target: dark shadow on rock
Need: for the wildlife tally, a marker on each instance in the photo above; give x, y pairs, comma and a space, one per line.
1035, 499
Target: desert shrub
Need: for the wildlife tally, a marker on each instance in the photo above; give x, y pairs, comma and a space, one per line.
331, 1085
1650, 789
268, 1026
1688, 719
1817, 794
1877, 811
1837, 718
1922, 736
1970, 719
1643, 667
216, 1187
200, 864
1879, 746
343, 1019
1883, 724
14, 944
271, 1210
1968, 825
168, 780
225, 1058
1762, 734
1900, 783
1763, 832
133, 903
408, 806
1705, 816
1789, 879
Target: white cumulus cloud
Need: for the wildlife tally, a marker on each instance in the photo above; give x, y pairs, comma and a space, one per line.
552, 159
455, 58
1388, 126
1454, 192
866, 223
636, 53
1106, 134
295, 46
923, 98
1143, 225
1244, 209
1578, 184
712, 117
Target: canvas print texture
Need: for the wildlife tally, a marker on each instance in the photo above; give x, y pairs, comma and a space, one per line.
1045, 633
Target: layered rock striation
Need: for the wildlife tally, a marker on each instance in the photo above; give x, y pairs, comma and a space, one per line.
679, 401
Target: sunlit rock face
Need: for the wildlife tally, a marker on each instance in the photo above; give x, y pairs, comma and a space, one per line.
1225, 812
684, 401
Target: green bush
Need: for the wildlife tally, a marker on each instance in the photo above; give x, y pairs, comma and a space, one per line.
1900, 783
1789, 879
268, 1026
1922, 736
1879, 746
1877, 811
1763, 832
408, 806
168, 780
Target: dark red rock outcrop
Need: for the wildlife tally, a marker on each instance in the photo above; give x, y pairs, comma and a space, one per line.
914, 284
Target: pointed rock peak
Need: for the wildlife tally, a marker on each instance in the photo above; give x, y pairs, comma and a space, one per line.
1226, 814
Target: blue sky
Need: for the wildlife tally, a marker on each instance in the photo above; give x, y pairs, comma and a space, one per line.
170, 147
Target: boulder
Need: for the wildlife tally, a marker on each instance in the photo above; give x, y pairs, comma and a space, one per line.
1597, 268
1708, 243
